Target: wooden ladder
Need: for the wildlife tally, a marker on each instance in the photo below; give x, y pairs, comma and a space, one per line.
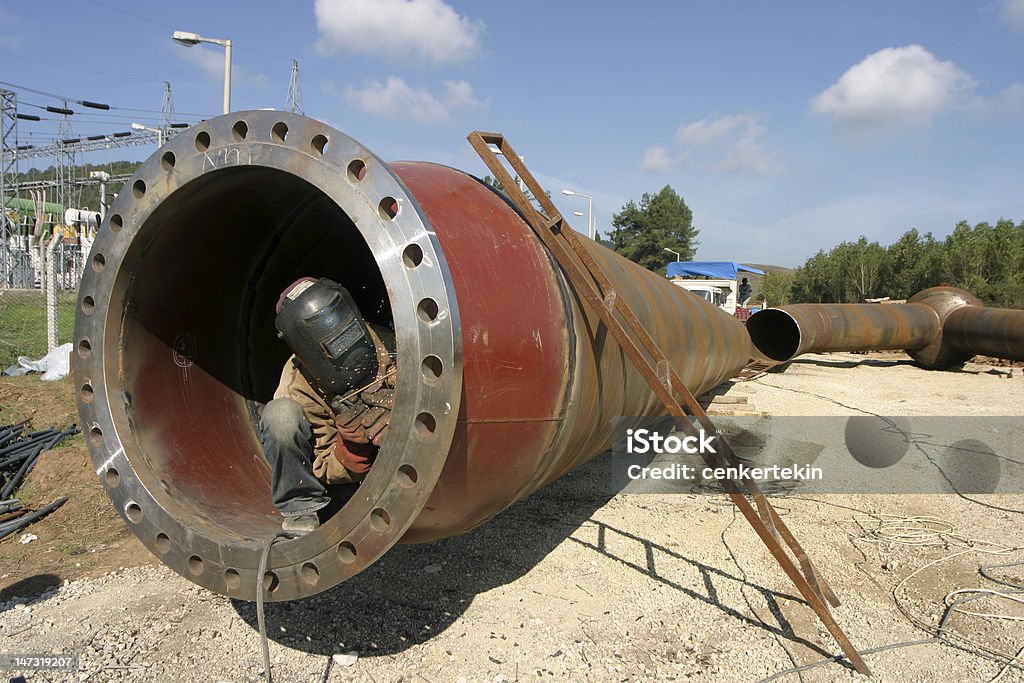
596, 290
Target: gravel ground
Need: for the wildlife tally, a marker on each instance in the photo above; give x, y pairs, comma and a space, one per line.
578, 583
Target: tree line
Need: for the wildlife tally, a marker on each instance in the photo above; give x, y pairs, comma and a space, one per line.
986, 260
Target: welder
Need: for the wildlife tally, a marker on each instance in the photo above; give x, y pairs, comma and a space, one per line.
333, 404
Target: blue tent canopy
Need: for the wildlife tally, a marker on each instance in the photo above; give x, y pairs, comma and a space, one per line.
723, 270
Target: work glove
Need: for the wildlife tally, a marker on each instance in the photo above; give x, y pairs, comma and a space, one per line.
354, 457
366, 421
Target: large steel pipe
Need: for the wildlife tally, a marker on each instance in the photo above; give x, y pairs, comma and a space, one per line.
504, 381
786, 332
994, 332
939, 327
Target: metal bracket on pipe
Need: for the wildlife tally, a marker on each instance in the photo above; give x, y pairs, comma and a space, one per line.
594, 288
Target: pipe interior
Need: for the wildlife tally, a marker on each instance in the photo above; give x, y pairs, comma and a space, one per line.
198, 350
775, 334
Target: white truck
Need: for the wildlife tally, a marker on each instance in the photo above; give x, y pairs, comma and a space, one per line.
717, 282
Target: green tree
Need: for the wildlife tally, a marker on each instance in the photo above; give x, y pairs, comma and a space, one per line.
641, 232
777, 287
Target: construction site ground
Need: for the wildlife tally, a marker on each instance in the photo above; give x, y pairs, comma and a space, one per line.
577, 582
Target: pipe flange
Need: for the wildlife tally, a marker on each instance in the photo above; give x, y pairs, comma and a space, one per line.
426, 321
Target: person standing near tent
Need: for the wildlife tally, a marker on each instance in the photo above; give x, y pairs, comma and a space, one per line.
746, 291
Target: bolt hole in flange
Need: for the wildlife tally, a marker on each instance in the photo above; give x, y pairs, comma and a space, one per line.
407, 476
318, 144
310, 574
232, 579
380, 520
113, 477
346, 552
116, 222
239, 131
162, 543
412, 255
279, 132
357, 170
133, 512
167, 161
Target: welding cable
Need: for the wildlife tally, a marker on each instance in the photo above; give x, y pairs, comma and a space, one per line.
264, 559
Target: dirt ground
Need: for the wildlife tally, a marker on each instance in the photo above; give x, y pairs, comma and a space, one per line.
578, 582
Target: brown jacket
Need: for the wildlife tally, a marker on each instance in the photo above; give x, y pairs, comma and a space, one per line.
294, 385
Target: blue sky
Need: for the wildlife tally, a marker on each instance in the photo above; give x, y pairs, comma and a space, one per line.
787, 127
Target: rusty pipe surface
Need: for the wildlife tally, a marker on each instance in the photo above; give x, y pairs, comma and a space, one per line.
995, 332
789, 331
505, 381
939, 327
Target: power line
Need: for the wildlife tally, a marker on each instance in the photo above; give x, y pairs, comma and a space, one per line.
82, 102
78, 68
131, 14
150, 20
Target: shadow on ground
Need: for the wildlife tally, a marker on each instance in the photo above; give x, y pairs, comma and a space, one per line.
30, 588
396, 604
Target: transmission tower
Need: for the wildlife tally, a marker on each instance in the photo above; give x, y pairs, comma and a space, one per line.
167, 108
294, 102
8, 149
64, 162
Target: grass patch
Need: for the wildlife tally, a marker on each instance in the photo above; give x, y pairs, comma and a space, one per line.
23, 323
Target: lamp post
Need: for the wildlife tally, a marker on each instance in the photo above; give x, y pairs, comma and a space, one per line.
159, 133
590, 210
673, 251
189, 39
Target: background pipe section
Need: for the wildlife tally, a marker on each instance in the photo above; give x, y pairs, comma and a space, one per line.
505, 381
940, 327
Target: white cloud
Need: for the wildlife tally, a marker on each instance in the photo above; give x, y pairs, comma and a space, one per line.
1012, 13
734, 141
211, 61
657, 160
459, 95
894, 88
395, 99
8, 20
419, 31
706, 131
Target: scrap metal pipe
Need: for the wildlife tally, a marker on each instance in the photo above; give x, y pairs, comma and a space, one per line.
505, 382
939, 327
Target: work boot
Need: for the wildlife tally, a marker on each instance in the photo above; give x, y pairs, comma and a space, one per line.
300, 525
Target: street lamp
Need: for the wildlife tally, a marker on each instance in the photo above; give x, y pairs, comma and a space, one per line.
590, 210
189, 39
159, 133
673, 251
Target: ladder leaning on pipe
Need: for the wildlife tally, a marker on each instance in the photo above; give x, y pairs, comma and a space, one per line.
594, 288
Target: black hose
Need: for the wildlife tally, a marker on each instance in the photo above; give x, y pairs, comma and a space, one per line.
11, 527
27, 442
30, 462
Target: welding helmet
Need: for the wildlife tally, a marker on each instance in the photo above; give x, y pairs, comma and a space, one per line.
321, 323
